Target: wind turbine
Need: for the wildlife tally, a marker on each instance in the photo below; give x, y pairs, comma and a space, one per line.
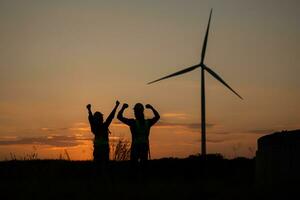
211, 72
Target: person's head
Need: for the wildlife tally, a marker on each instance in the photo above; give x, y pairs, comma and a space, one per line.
98, 117
139, 111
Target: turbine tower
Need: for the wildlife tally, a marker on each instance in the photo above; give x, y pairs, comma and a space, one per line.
211, 72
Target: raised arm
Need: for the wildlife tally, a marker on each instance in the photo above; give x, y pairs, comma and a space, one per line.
88, 107
112, 114
156, 115
90, 116
121, 117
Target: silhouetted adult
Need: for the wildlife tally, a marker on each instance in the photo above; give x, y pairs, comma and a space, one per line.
140, 130
101, 132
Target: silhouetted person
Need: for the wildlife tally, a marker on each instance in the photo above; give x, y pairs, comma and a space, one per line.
101, 132
140, 130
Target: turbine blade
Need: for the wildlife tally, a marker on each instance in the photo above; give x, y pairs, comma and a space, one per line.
214, 74
205, 39
177, 73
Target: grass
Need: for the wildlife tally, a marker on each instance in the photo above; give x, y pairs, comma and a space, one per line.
164, 178
168, 178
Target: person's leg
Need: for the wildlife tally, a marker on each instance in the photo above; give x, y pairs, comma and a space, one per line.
96, 153
144, 152
144, 157
134, 158
103, 160
105, 153
97, 160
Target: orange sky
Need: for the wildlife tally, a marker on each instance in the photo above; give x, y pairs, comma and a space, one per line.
55, 57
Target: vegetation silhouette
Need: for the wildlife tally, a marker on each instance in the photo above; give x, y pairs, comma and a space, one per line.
140, 131
100, 129
170, 178
120, 150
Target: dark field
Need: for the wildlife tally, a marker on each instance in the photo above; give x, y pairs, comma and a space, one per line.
214, 178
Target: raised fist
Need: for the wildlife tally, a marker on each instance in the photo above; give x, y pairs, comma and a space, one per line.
148, 106
88, 106
125, 105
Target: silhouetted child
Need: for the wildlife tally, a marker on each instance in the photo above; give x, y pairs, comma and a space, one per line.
140, 130
101, 132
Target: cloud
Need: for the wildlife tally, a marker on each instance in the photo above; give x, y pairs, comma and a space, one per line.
160, 124
81, 129
216, 140
76, 127
53, 129
54, 140
210, 140
261, 131
191, 126
222, 132
8, 137
175, 115
118, 124
51, 140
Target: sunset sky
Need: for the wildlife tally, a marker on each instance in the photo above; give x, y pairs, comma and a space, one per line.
58, 56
